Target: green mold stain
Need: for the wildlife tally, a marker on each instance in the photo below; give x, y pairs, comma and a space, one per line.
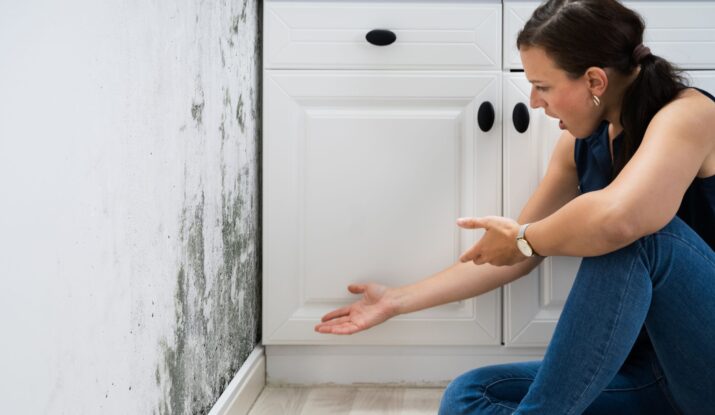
239, 114
217, 293
234, 24
216, 328
197, 110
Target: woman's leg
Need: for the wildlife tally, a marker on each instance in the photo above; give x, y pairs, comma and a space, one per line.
498, 389
493, 390
681, 318
665, 280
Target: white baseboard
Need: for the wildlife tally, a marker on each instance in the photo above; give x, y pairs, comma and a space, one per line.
244, 388
394, 365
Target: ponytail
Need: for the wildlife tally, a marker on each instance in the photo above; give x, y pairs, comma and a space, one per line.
657, 83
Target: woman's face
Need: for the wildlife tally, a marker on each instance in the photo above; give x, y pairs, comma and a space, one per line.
561, 97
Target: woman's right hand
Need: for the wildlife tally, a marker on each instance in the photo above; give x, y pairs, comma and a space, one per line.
375, 306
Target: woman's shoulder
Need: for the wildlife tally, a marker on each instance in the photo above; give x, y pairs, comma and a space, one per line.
688, 120
697, 94
691, 110
691, 101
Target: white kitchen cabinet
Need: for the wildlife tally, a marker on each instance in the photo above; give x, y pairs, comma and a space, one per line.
370, 153
367, 165
365, 173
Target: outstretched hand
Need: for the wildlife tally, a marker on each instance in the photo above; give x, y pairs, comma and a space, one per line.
373, 308
497, 246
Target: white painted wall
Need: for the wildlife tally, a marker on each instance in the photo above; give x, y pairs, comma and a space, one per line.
129, 225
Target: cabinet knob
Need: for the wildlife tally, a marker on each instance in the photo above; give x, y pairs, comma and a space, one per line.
485, 116
520, 117
380, 37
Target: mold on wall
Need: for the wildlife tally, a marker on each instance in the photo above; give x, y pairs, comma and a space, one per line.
130, 139
217, 296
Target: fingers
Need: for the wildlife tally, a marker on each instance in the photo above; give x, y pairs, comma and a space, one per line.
343, 311
473, 253
341, 325
472, 223
345, 328
334, 322
353, 288
357, 288
479, 260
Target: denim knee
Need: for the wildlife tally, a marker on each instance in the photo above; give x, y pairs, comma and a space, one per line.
493, 389
663, 252
456, 392
673, 250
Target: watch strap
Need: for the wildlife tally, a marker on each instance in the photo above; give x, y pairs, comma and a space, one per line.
522, 231
522, 235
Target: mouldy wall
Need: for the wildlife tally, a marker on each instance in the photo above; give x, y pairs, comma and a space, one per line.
217, 294
130, 247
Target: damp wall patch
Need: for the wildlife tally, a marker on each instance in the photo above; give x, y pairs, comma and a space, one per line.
131, 244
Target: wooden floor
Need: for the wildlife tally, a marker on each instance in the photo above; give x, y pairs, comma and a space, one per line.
278, 400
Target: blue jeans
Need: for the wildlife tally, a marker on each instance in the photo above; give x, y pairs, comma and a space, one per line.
636, 336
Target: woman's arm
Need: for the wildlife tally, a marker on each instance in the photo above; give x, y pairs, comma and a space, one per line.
466, 280
647, 193
462, 280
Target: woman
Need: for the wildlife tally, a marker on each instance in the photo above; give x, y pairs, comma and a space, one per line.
637, 332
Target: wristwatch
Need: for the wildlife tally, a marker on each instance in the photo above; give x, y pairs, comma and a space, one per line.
523, 245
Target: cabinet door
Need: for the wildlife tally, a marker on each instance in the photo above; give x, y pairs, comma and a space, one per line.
532, 304
365, 173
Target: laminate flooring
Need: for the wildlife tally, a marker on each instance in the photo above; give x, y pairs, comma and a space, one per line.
336, 400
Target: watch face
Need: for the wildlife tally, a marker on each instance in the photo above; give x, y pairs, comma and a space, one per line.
524, 247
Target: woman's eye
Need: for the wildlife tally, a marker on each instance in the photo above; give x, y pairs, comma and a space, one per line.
541, 88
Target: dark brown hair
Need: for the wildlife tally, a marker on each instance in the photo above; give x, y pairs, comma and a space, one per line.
578, 34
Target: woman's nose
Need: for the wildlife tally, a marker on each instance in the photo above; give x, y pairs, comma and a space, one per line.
534, 100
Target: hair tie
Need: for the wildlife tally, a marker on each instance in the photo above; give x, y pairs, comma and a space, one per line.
640, 52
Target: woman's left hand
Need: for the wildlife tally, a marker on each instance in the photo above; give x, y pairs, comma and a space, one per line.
497, 246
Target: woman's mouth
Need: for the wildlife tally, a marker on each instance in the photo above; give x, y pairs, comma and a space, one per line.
562, 125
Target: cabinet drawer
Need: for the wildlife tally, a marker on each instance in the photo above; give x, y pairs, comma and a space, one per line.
681, 31
438, 35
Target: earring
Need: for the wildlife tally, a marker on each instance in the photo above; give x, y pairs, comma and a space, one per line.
596, 100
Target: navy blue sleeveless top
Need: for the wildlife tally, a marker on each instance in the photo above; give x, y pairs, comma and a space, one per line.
593, 164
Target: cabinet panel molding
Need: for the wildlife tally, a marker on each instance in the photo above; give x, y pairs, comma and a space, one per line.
364, 176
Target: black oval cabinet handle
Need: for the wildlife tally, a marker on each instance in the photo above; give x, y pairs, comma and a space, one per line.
381, 37
485, 116
520, 117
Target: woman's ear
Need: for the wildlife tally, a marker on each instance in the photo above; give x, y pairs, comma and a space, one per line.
597, 80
